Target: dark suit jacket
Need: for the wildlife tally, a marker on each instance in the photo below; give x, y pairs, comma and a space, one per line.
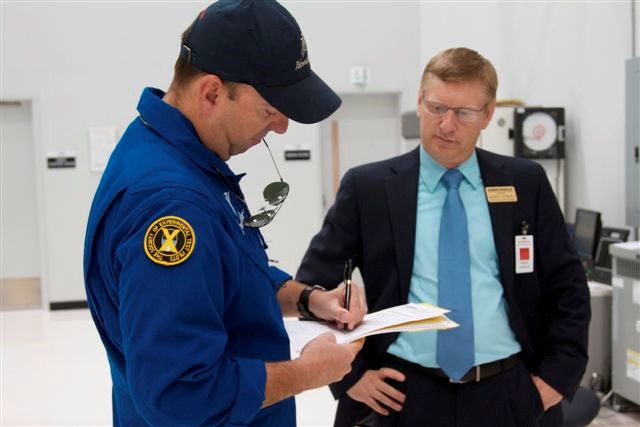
373, 221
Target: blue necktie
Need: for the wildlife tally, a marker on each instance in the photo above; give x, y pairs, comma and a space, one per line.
455, 353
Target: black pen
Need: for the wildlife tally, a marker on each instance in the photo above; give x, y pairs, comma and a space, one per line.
348, 271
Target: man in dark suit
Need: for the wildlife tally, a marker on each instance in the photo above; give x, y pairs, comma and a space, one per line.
480, 233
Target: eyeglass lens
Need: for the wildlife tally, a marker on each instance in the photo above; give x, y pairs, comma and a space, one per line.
274, 194
464, 114
260, 219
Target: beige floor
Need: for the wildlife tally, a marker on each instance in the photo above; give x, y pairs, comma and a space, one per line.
55, 372
608, 417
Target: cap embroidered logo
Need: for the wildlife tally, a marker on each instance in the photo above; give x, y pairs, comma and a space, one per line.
304, 57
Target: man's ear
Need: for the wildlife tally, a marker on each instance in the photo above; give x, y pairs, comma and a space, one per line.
209, 91
419, 104
491, 107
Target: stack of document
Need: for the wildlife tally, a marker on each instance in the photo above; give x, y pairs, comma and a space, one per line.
402, 318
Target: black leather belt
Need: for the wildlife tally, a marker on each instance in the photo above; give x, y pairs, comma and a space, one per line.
475, 374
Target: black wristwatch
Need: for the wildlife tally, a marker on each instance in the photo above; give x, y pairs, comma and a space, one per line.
303, 303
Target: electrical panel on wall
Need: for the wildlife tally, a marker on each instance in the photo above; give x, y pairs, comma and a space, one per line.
410, 125
497, 137
539, 133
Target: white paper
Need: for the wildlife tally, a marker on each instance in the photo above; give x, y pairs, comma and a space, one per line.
102, 142
401, 318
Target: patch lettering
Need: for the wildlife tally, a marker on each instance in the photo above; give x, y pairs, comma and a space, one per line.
169, 241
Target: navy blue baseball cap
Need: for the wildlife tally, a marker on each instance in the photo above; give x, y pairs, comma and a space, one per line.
258, 42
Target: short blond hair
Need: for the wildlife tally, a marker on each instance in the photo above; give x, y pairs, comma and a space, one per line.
461, 64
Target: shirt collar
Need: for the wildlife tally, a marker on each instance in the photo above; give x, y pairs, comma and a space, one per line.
432, 171
168, 122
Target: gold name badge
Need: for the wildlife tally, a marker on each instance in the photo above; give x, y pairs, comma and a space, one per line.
505, 194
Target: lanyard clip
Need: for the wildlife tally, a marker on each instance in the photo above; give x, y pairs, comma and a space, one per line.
524, 227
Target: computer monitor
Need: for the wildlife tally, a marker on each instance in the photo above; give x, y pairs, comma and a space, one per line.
587, 232
602, 265
616, 233
603, 257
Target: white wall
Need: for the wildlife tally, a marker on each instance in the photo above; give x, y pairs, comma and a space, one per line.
555, 54
18, 222
85, 63
637, 27
339, 35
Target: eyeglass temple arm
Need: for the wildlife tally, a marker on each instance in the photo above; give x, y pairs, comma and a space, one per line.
272, 159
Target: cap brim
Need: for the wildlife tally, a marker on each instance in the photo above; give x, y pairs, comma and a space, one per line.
308, 101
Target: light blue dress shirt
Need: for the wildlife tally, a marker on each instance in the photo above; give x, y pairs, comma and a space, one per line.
494, 339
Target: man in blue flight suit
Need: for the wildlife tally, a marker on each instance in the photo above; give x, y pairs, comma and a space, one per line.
177, 278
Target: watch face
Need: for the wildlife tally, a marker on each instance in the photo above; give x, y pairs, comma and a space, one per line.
539, 131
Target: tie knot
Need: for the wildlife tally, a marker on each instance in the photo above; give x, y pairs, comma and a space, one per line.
452, 179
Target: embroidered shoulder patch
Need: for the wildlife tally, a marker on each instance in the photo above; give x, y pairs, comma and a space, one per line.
169, 241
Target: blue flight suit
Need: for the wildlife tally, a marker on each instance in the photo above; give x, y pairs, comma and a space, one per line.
181, 293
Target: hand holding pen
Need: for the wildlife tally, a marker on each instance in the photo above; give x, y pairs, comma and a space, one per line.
354, 298
344, 305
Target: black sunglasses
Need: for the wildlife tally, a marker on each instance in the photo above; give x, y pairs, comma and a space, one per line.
274, 194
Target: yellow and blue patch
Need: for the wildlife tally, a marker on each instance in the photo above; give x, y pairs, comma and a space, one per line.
169, 241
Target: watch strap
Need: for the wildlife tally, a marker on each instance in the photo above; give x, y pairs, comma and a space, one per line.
303, 303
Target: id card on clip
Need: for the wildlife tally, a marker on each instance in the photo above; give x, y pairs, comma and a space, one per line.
524, 254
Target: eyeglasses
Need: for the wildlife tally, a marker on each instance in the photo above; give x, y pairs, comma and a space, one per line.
274, 194
464, 114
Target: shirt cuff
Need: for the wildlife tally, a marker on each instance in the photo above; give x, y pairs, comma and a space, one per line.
252, 383
278, 277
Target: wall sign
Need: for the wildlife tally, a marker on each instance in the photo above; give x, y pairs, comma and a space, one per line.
297, 155
61, 159
297, 152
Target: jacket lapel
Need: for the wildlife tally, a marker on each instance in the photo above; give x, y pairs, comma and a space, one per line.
493, 174
401, 187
